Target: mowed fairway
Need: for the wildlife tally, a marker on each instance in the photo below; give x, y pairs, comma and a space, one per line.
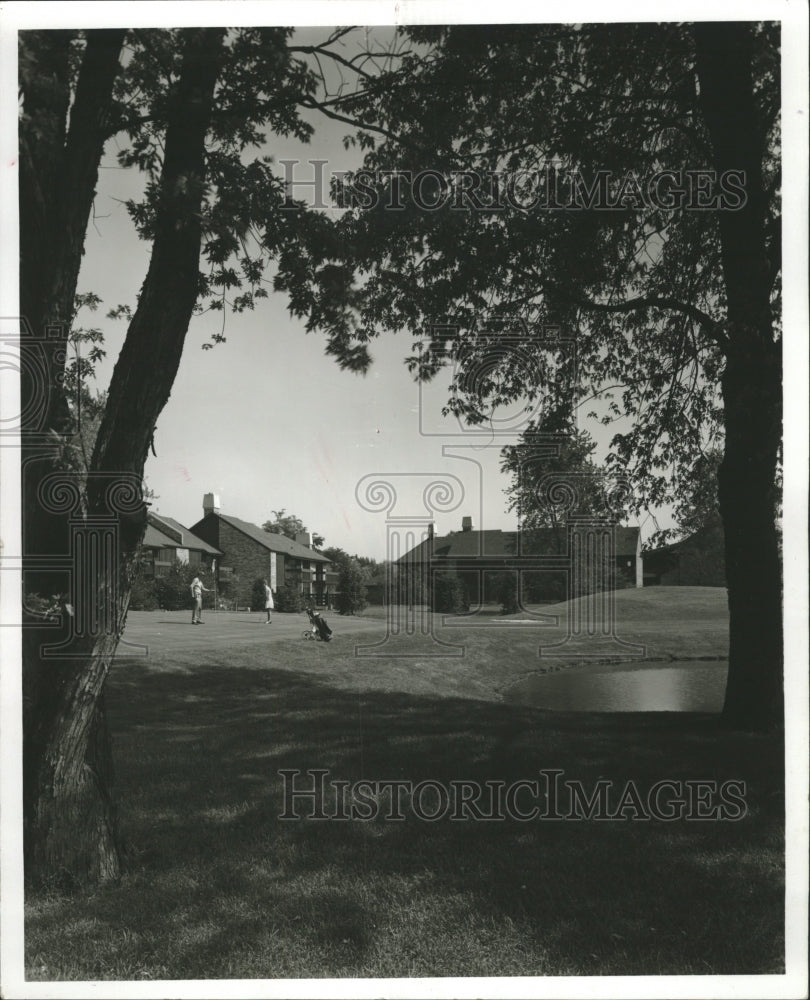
218, 886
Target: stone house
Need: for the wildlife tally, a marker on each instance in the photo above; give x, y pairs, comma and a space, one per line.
250, 553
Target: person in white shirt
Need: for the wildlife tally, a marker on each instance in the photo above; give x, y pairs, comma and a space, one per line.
197, 588
268, 600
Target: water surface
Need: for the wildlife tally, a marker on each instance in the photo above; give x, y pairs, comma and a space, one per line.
690, 686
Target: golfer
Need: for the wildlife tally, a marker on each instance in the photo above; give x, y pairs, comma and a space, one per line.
268, 600
197, 588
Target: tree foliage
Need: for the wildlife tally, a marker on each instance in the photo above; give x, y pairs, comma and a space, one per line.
449, 595
289, 525
337, 555
530, 113
542, 466
352, 582
698, 505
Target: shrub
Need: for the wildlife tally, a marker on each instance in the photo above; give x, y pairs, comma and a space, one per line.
351, 589
144, 595
547, 586
449, 595
228, 587
173, 591
257, 595
287, 598
507, 593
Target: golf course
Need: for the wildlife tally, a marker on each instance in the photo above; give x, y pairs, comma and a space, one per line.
218, 885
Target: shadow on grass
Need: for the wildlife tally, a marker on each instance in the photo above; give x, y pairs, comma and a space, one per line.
218, 886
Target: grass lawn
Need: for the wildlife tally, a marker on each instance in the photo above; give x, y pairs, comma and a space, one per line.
218, 886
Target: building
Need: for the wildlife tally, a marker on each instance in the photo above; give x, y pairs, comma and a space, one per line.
540, 558
250, 553
696, 561
166, 541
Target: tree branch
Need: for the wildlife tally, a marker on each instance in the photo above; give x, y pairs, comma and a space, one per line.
641, 302
316, 105
315, 50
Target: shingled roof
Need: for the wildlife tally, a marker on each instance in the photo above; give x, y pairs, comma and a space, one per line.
273, 542
165, 532
178, 534
493, 544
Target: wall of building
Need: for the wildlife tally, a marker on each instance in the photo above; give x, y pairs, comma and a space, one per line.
245, 558
698, 561
250, 561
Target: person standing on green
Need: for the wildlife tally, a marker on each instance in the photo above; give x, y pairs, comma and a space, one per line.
197, 588
268, 600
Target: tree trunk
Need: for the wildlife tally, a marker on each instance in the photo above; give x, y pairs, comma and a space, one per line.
71, 826
751, 385
71, 821
58, 177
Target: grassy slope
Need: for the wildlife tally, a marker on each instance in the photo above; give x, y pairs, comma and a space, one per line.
217, 886
670, 622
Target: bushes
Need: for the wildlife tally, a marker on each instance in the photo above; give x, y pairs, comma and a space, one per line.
507, 593
144, 595
351, 588
228, 587
449, 595
173, 591
257, 596
287, 598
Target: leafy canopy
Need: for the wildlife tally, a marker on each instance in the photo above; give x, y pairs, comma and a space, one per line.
289, 525
622, 307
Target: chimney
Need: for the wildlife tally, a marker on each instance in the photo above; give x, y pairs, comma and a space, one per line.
304, 538
431, 529
466, 524
210, 504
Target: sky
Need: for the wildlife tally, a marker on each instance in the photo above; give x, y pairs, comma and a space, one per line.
267, 422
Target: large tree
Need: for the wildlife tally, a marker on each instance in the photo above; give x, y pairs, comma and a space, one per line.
192, 110
289, 525
539, 463
615, 189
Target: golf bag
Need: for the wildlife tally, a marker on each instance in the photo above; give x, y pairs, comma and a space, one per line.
319, 628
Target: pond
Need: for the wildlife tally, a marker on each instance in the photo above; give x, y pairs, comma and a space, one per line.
691, 686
